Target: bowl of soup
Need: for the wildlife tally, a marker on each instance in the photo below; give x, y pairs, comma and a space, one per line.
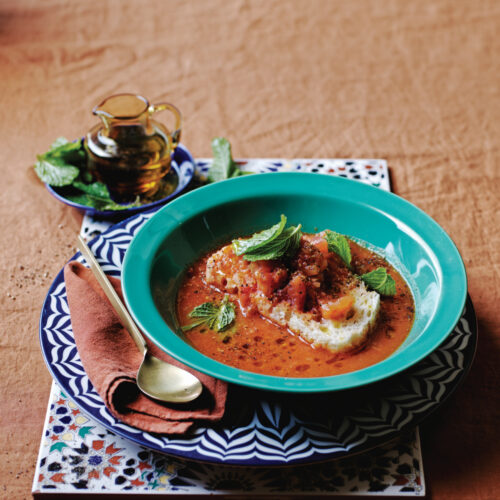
294, 282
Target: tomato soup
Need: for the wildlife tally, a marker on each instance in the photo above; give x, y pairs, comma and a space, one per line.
256, 344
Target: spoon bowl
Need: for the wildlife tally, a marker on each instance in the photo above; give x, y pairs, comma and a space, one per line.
156, 378
151, 380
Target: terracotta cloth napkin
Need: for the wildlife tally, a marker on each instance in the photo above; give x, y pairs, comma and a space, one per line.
111, 360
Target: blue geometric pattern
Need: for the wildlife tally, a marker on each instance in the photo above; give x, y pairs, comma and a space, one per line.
263, 428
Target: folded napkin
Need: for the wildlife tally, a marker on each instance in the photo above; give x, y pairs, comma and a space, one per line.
111, 360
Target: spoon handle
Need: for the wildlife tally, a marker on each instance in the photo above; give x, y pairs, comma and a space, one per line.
113, 297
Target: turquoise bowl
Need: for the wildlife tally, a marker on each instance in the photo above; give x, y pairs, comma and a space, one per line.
209, 216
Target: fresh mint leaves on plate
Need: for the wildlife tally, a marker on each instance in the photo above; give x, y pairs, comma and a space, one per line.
60, 166
64, 166
216, 317
223, 166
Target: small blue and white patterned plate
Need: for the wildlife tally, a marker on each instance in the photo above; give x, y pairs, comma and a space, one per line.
181, 173
263, 428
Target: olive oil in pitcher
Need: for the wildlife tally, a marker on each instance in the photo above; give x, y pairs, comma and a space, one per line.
129, 151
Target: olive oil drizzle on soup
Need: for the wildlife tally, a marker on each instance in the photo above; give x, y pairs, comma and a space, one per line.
256, 344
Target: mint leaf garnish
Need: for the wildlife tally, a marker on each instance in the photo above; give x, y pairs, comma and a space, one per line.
216, 317
259, 239
223, 166
271, 243
380, 281
286, 243
338, 243
225, 316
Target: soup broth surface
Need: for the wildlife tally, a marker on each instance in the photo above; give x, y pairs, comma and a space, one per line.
256, 344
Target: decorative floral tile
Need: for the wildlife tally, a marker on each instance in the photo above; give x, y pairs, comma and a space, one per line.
369, 171
77, 454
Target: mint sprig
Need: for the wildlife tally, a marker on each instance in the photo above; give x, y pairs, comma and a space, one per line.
257, 240
285, 244
216, 317
338, 243
272, 243
378, 279
223, 166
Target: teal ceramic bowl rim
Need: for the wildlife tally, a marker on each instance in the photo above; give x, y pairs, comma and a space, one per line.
139, 257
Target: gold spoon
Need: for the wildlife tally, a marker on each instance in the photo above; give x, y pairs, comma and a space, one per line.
156, 378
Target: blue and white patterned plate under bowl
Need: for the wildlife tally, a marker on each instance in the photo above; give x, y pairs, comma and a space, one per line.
263, 428
180, 174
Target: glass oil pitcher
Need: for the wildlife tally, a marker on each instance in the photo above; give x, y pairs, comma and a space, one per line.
129, 151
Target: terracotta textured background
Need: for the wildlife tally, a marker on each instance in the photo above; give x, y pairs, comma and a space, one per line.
416, 83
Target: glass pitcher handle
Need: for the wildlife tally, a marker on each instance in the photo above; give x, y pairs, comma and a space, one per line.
162, 106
